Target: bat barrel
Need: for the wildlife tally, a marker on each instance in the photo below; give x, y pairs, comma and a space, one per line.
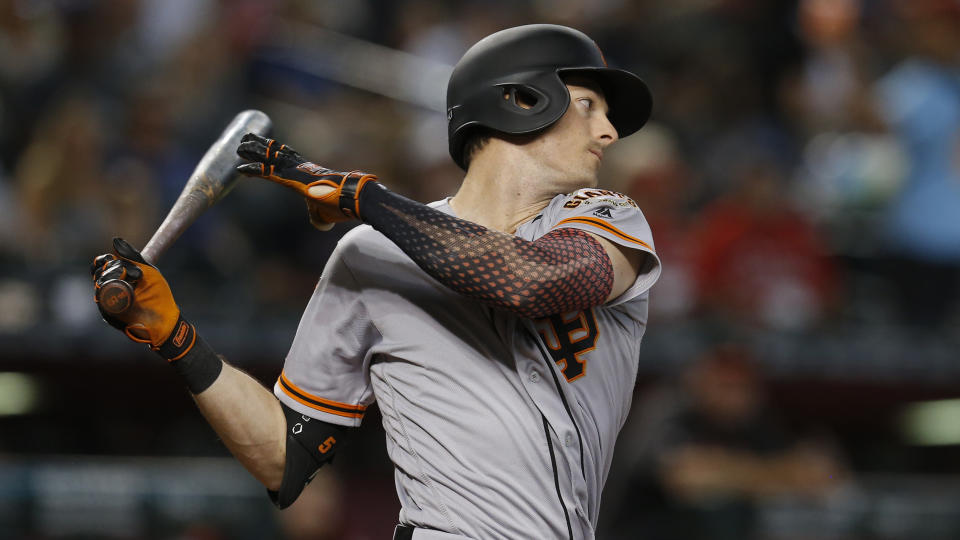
213, 178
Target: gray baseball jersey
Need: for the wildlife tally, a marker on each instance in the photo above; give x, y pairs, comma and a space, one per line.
498, 427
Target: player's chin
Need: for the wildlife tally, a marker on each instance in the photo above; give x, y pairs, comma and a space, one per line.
587, 180
584, 176
591, 175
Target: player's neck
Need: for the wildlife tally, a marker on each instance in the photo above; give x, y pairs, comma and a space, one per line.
500, 195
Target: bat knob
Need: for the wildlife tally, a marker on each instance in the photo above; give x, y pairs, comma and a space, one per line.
115, 296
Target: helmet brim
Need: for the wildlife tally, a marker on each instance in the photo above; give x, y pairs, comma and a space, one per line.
628, 97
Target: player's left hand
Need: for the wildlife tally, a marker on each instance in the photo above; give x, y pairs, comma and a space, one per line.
331, 195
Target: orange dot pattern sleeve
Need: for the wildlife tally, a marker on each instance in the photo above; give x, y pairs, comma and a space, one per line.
562, 271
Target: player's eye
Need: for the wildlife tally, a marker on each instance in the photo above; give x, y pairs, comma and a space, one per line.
587, 102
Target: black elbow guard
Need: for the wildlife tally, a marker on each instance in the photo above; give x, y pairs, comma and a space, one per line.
311, 444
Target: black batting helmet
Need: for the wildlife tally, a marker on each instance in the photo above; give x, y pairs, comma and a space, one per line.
530, 60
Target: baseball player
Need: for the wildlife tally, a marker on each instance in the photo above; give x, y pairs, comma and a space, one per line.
498, 330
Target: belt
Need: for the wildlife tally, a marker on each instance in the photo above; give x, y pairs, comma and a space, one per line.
403, 532
409, 532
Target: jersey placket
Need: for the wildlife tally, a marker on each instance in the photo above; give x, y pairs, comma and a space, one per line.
545, 385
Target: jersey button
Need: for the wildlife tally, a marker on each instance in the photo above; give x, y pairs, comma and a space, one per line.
534, 376
568, 440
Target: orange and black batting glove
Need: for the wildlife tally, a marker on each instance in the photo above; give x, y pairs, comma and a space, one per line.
332, 196
153, 316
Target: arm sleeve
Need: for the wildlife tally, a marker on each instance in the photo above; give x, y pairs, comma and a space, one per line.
564, 270
326, 372
614, 217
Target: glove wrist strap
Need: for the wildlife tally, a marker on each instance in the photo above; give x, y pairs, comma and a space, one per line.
191, 357
350, 190
181, 340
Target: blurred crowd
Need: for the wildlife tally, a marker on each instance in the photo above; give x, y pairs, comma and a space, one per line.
801, 174
801, 167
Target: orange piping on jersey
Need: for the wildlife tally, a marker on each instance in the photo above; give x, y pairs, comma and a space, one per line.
318, 407
318, 403
318, 398
605, 226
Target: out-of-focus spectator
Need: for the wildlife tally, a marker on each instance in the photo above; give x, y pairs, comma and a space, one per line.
31, 42
32, 45
442, 33
920, 100
695, 457
830, 90
10, 218
70, 208
164, 25
760, 262
850, 162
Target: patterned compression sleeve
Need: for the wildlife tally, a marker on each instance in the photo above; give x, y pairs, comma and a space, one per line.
564, 270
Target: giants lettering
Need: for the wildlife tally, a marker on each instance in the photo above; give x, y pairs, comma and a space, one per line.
567, 337
585, 194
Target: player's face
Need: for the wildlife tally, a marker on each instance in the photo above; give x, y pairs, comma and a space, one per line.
573, 147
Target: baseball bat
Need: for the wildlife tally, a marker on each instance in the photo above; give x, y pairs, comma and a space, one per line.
213, 178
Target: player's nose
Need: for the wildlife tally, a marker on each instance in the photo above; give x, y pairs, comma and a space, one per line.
604, 131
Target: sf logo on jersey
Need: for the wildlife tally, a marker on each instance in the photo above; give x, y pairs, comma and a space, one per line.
568, 337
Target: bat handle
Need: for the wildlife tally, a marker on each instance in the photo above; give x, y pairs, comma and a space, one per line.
115, 296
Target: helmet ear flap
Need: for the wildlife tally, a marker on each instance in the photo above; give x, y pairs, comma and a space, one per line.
523, 99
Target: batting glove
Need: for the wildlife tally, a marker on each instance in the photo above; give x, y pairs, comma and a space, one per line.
331, 196
153, 316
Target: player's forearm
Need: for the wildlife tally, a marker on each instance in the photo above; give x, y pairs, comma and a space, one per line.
249, 420
245, 414
565, 270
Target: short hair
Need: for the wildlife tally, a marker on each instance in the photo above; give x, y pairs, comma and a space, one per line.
475, 142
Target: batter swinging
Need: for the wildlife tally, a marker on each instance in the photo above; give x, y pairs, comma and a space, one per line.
497, 330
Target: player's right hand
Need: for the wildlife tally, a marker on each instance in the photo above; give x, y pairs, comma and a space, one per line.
331, 195
153, 313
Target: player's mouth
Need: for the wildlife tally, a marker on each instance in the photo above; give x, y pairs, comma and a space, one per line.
598, 153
